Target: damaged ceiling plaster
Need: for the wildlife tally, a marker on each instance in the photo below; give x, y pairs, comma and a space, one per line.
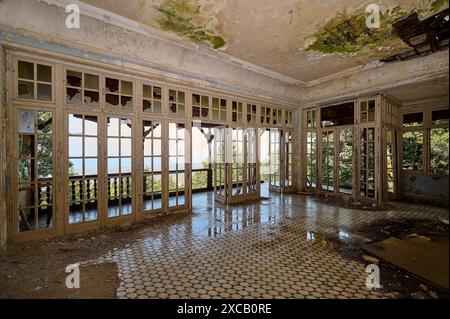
301, 39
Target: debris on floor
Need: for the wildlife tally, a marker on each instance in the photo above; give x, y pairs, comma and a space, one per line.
414, 254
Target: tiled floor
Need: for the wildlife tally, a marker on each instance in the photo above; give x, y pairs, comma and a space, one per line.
270, 249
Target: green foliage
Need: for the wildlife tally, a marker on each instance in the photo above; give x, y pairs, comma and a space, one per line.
413, 151
439, 151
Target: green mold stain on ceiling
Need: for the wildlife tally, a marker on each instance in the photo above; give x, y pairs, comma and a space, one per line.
179, 16
348, 34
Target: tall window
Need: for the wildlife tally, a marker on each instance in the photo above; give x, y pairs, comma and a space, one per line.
328, 161
152, 180
35, 170
288, 159
34, 81
237, 165
82, 88
413, 139
83, 168
251, 161
119, 167
346, 160
177, 164
367, 162
390, 161
439, 159
275, 156
311, 159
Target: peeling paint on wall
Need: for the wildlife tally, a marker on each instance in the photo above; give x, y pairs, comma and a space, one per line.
181, 17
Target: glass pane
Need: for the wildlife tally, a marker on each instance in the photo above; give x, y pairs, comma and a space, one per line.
125, 147
90, 125
91, 81
113, 127
44, 73
90, 146
25, 90
44, 92
75, 146
113, 146
26, 70
127, 88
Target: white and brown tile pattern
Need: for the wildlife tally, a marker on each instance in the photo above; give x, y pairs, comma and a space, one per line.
260, 250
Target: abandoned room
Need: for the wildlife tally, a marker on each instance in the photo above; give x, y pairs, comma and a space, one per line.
226, 149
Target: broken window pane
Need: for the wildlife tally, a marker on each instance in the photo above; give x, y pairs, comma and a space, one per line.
337, 115
413, 119
439, 117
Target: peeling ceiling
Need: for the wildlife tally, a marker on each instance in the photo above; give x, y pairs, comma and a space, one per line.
301, 39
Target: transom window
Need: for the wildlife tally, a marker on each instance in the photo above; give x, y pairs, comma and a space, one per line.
237, 111
367, 111
119, 93
177, 102
251, 113
311, 119
288, 118
219, 109
200, 106
265, 115
151, 98
34, 81
82, 88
